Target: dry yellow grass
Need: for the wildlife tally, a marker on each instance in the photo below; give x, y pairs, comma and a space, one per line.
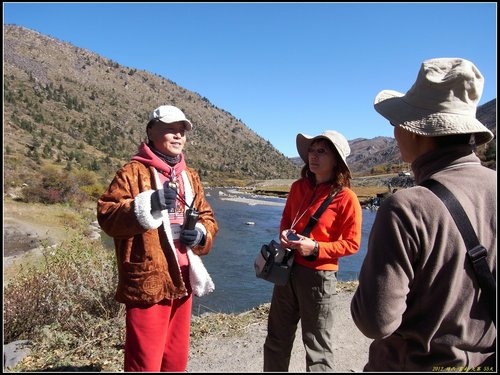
362, 188
48, 224
48, 217
364, 192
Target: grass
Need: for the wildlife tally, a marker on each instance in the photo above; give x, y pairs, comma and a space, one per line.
363, 192
54, 218
65, 306
51, 223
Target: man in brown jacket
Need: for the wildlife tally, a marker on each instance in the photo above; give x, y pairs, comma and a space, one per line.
146, 209
418, 296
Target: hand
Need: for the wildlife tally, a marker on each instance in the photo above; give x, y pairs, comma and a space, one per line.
289, 239
192, 237
164, 199
170, 195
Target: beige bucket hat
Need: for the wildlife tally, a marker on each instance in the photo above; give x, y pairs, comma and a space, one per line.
338, 140
442, 101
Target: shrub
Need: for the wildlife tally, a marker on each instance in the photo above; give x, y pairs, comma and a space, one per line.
65, 304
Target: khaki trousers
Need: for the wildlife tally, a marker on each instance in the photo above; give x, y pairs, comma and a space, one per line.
309, 296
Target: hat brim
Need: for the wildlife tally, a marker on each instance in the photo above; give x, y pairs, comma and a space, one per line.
392, 105
304, 141
187, 124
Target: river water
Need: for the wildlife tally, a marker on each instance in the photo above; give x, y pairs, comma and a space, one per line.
243, 228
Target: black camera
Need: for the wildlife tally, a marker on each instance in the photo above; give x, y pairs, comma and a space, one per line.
292, 236
190, 219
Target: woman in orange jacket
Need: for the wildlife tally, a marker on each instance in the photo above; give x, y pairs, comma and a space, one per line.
309, 295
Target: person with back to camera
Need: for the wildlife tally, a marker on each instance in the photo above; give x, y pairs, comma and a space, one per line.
310, 293
155, 210
418, 297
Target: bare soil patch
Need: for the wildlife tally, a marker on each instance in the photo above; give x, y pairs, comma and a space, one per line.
28, 227
240, 348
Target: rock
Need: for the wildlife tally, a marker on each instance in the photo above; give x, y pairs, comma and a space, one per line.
15, 352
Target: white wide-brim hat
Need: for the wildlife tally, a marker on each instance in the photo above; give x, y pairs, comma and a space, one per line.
169, 114
442, 101
338, 140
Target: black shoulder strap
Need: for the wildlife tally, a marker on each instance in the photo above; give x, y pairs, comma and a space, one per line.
314, 218
476, 252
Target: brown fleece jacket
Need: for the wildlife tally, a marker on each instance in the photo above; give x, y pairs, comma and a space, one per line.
148, 270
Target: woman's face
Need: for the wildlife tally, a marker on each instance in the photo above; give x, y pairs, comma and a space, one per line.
322, 160
169, 139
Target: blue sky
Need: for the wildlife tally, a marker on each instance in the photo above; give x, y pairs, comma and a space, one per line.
284, 68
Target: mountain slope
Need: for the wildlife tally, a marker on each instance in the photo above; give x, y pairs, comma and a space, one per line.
65, 104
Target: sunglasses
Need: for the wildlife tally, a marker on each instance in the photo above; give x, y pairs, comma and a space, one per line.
318, 151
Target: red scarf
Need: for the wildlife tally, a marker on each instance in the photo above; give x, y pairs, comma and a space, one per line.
149, 158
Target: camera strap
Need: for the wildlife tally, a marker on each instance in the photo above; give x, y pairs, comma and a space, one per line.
475, 251
314, 218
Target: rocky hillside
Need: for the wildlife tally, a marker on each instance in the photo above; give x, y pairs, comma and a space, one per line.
369, 153
71, 107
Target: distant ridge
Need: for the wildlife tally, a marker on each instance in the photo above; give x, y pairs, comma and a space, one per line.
367, 154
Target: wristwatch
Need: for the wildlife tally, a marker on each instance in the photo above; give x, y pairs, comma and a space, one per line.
316, 249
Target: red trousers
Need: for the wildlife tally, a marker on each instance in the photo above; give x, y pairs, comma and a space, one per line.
157, 336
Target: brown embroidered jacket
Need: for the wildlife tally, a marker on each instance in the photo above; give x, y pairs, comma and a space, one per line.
147, 264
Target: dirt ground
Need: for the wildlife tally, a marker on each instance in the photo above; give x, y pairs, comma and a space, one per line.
243, 353
20, 239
